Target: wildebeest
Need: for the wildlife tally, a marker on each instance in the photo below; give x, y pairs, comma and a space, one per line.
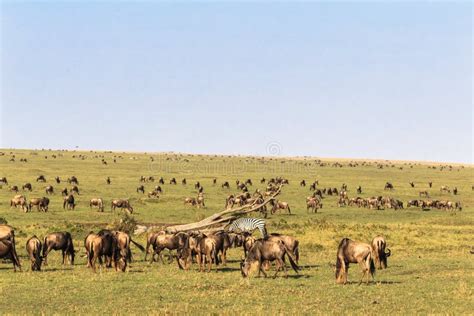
59, 241
58, 180
190, 200
291, 243
124, 253
49, 189
206, 252
445, 188
75, 189
108, 181
354, 252
313, 204
7, 245
160, 241
380, 256
200, 200
266, 250
197, 185
99, 247
19, 201
121, 203
279, 205
153, 194
69, 202
33, 248
388, 186
73, 180
14, 188
225, 185
4, 180
40, 203
41, 178
303, 183
27, 186
424, 193
412, 184
97, 202
64, 192
141, 189
173, 181
183, 182
455, 191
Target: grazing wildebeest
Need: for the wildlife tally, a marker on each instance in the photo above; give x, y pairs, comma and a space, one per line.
59, 241
458, 206
97, 202
7, 245
225, 185
267, 250
4, 180
279, 205
33, 248
141, 189
380, 256
103, 244
303, 183
160, 241
58, 180
354, 252
412, 184
64, 192
263, 180
359, 190
27, 186
445, 188
291, 243
19, 201
206, 252
153, 194
424, 193
313, 204
173, 181
69, 202
388, 186
190, 200
41, 178
121, 203
248, 182
49, 189
74, 189
123, 252
73, 180
40, 203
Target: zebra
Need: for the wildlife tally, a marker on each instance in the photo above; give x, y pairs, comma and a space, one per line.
249, 225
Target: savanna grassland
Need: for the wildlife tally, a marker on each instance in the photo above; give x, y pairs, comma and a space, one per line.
431, 269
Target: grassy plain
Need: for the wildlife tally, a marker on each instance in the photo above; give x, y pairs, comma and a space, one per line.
430, 271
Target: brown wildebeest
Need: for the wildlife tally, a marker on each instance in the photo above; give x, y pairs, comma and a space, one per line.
4, 180
197, 185
223, 243
173, 181
123, 252
97, 202
41, 178
206, 252
200, 200
59, 241
40, 203
303, 183
388, 186
445, 188
73, 180
64, 192
267, 250
141, 189
313, 204
225, 185
33, 248
108, 181
58, 180
7, 245
424, 193
291, 243
214, 181
158, 189
183, 182
160, 241
455, 191
430, 184
19, 201
380, 256
122, 204
279, 205
248, 242
69, 202
248, 182
354, 252
27, 186
74, 189
263, 180
49, 189
101, 245
14, 188
153, 194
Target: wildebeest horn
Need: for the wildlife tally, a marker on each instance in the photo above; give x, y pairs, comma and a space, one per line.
387, 254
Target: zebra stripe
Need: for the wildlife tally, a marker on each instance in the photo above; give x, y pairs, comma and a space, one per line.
249, 225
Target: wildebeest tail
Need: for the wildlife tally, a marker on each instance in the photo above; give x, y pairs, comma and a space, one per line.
292, 259
90, 254
372, 266
137, 244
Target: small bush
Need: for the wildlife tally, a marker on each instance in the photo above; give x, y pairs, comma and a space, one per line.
126, 223
3, 220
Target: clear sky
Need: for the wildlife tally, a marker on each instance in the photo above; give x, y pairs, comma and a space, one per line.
355, 80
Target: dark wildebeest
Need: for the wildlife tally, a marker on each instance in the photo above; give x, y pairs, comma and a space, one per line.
267, 250
97, 202
40, 203
223, 243
455, 191
158, 189
214, 181
64, 192
101, 245
69, 202
160, 241
173, 181
27, 186
14, 188
225, 185
303, 183
75, 189
380, 256
197, 185
41, 178
59, 241
190, 200
19, 200
121, 203
141, 189
412, 184
7, 245
49, 189
73, 180
33, 248
359, 190
4, 180
263, 180
388, 186
108, 181
183, 182
354, 252
58, 180
430, 184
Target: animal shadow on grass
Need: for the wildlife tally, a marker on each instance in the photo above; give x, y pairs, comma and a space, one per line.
372, 282
227, 269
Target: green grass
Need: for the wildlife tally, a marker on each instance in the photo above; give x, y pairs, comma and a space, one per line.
430, 271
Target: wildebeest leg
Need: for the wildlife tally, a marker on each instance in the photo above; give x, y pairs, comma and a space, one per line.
64, 256
364, 270
209, 264
260, 268
279, 265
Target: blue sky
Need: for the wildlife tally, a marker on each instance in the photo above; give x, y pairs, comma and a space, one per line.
357, 80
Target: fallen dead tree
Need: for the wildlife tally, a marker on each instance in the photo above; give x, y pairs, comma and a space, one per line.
219, 221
